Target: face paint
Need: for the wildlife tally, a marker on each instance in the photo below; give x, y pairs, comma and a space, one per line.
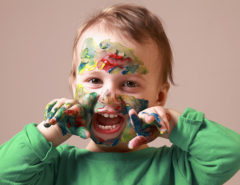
124, 104
111, 57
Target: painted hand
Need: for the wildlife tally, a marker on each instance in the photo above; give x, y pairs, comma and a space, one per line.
72, 116
149, 124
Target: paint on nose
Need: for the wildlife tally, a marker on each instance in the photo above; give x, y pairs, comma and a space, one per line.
107, 96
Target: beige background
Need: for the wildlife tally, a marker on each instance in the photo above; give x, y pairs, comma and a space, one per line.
36, 39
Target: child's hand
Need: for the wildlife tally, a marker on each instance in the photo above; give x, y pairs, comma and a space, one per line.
64, 117
152, 123
72, 116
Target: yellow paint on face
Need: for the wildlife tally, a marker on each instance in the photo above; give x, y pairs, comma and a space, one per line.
111, 57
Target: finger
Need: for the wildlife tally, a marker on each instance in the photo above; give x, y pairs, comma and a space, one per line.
165, 124
83, 133
54, 109
153, 118
60, 113
137, 141
75, 110
63, 101
49, 107
75, 120
137, 123
147, 117
140, 140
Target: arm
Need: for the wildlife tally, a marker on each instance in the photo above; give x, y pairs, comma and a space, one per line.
28, 158
205, 152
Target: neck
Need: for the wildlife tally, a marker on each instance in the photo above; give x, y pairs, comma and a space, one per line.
121, 147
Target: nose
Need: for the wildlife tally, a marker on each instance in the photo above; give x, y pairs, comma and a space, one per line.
109, 96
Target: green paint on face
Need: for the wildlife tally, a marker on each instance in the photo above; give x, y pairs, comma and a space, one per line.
124, 104
111, 57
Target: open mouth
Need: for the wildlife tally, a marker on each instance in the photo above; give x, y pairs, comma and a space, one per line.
107, 125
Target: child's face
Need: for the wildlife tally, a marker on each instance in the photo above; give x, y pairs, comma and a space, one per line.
124, 74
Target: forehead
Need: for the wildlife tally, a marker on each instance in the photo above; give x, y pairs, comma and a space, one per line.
147, 51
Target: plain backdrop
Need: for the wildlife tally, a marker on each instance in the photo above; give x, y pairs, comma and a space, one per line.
36, 40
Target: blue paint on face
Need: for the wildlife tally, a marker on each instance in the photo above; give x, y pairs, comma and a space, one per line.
138, 104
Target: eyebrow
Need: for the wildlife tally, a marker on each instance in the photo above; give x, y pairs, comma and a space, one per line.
100, 72
93, 72
135, 76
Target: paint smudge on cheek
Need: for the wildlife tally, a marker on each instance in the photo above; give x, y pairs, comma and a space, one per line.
80, 92
130, 102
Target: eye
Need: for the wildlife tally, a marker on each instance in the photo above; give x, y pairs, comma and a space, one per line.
95, 81
130, 84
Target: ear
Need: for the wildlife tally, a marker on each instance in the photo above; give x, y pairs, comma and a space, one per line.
162, 94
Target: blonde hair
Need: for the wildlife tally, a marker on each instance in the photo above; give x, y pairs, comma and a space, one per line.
138, 23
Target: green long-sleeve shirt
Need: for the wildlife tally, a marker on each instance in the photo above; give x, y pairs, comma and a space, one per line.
203, 152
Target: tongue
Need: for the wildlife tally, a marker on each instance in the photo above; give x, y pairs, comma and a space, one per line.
108, 121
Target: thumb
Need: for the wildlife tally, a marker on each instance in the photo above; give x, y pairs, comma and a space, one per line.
83, 133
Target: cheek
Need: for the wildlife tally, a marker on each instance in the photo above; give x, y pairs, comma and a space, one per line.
131, 102
80, 91
151, 93
152, 102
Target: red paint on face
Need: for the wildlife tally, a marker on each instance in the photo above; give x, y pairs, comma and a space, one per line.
113, 60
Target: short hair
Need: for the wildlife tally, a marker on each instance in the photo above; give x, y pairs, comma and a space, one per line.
138, 23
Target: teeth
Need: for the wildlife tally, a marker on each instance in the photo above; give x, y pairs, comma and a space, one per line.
107, 127
109, 115
105, 115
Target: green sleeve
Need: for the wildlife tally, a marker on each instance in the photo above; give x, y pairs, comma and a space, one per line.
205, 151
27, 159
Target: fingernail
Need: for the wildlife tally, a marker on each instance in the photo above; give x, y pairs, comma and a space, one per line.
130, 146
52, 121
47, 125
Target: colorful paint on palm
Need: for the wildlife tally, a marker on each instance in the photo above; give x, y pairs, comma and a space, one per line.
111, 57
73, 121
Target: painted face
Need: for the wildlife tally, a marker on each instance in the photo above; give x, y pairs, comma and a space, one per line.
110, 124
111, 57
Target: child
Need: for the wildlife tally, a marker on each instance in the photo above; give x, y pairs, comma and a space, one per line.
122, 67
